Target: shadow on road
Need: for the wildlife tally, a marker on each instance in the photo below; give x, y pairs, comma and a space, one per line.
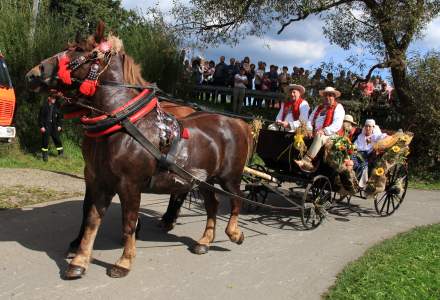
50, 229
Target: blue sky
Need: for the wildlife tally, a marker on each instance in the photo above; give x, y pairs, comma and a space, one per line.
301, 44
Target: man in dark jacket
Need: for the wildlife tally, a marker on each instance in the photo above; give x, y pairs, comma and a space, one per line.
49, 120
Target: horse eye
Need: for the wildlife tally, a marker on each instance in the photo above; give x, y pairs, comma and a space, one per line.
79, 49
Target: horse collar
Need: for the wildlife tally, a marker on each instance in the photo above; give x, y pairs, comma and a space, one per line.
134, 109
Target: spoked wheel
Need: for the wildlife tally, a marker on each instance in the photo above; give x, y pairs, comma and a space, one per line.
387, 202
316, 201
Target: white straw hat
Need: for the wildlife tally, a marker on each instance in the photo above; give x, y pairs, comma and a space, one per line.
330, 90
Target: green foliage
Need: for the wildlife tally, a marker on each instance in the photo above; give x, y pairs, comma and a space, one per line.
149, 43
405, 267
155, 49
72, 162
84, 15
424, 74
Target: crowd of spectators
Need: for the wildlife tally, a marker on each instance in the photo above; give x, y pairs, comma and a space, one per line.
244, 74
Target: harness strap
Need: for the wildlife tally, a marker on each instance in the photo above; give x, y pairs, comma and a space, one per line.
103, 123
168, 161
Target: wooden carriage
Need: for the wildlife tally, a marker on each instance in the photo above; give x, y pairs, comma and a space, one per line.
277, 173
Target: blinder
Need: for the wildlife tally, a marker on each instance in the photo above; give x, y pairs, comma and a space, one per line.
65, 67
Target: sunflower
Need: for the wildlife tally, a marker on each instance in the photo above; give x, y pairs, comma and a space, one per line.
379, 171
396, 149
341, 148
405, 138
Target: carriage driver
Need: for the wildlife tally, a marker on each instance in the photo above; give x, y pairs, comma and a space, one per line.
294, 111
325, 121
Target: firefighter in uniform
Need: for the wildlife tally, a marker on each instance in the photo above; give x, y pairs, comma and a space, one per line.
50, 126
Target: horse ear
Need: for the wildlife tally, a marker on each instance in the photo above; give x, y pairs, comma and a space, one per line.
99, 34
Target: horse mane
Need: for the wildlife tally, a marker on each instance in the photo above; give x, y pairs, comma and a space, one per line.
132, 72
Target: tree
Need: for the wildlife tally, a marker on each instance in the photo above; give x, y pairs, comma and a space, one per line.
83, 15
387, 27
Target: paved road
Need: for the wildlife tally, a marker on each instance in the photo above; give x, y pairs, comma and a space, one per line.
276, 261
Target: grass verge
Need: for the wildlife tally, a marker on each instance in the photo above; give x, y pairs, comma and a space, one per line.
71, 162
404, 267
19, 196
424, 185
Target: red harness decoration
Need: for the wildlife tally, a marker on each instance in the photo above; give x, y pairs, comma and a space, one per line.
329, 114
133, 118
63, 70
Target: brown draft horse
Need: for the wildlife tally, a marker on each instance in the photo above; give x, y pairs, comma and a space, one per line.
216, 151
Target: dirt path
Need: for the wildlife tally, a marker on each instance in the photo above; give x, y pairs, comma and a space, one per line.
39, 178
276, 261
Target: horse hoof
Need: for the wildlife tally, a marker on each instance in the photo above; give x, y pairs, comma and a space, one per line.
241, 239
118, 272
201, 249
74, 272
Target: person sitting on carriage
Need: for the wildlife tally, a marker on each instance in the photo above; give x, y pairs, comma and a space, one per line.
350, 128
364, 143
292, 112
324, 122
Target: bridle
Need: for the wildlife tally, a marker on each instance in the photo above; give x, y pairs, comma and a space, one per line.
101, 55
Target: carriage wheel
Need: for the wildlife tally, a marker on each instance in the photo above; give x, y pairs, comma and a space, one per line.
387, 202
316, 201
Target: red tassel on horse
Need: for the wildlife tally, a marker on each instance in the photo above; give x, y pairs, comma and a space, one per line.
88, 87
185, 133
63, 70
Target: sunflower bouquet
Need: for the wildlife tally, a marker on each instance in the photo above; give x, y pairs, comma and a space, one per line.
392, 150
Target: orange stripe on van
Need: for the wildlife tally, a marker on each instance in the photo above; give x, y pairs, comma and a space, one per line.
7, 106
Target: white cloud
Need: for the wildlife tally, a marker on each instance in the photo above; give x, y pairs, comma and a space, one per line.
432, 35
272, 51
164, 5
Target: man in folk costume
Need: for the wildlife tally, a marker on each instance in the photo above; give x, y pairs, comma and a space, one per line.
325, 121
294, 111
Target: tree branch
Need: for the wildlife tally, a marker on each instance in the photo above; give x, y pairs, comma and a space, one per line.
312, 11
382, 65
237, 19
407, 37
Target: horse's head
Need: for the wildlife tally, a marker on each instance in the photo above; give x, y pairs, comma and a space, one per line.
81, 62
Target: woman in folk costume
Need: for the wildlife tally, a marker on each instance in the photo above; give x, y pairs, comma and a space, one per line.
325, 121
364, 143
292, 112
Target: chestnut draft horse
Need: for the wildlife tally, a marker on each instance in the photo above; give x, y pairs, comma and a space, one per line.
216, 150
